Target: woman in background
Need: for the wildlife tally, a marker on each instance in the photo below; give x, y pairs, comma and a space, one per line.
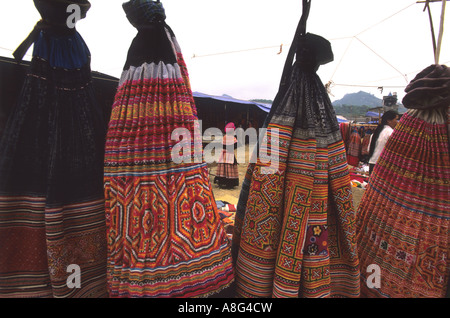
227, 175
380, 136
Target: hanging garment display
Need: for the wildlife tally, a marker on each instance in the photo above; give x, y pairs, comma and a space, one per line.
295, 228
404, 215
52, 217
345, 132
354, 149
365, 145
165, 235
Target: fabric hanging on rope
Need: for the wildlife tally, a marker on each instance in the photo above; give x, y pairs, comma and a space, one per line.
165, 234
404, 214
51, 169
345, 133
354, 149
365, 144
295, 228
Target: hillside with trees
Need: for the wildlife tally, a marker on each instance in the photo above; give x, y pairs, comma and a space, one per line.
354, 106
359, 99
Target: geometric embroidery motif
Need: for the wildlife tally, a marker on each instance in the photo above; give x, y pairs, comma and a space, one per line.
432, 265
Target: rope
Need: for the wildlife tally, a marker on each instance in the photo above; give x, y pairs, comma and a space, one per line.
340, 61
365, 30
239, 51
374, 25
437, 52
382, 59
368, 86
306, 5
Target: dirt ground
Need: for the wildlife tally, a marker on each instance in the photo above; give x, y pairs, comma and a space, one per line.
232, 195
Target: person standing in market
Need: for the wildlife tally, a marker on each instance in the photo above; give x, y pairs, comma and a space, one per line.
227, 175
381, 136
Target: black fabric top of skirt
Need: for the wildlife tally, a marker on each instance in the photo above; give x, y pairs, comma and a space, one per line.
55, 11
151, 44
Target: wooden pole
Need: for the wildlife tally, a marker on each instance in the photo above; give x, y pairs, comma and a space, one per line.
441, 33
436, 46
433, 37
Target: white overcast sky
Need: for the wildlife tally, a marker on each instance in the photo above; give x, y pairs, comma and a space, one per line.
375, 42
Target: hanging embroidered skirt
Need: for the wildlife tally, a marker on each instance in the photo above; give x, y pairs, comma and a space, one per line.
295, 226
365, 146
404, 215
354, 149
165, 236
345, 132
52, 217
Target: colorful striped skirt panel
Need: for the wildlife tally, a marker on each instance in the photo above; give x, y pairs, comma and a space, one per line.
165, 236
39, 245
404, 214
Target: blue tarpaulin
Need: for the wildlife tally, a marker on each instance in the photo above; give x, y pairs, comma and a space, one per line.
341, 119
373, 114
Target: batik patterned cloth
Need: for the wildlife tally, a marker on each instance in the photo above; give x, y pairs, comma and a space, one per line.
165, 235
51, 171
404, 215
295, 229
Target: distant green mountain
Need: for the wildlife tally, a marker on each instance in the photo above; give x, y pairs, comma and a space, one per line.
359, 99
353, 105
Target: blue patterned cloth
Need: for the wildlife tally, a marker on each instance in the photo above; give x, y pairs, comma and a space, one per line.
65, 51
54, 41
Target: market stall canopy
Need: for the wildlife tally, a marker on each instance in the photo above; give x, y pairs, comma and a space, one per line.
216, 111
229, 99
373, 114
341, 119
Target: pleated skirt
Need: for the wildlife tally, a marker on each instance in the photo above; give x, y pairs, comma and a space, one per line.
295, 228
52, 216
165, 236
404, 215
